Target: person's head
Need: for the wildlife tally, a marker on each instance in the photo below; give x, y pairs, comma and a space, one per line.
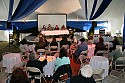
19, 76
118, 47
32, 56
44, 26
63, 52
64, 38
24, 41
63, 26
41, 39
49, 25
90, 42
86, 71
82, 40
54, 39
115, 38
101, 40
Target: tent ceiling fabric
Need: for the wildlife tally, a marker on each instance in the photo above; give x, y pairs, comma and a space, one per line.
75, 10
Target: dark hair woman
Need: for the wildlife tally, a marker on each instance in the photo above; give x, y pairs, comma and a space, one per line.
18, 76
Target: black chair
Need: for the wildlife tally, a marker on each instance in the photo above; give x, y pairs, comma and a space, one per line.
61, 71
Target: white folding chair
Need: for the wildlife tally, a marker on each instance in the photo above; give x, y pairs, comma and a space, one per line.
43, 51
34, 69
53, 49
117, 76
97, 75
120, 62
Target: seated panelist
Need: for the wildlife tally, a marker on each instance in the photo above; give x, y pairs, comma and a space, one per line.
49, 27
56, 28
63, 27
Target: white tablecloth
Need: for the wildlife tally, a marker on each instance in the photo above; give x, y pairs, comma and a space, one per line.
49, 68
9, 60
55, 32
100, 62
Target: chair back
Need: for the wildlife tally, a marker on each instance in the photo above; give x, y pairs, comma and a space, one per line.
53, 47
41, 51
61, 71
98, 71
120, 62
53, 50
117, 75
35, 70
97, 74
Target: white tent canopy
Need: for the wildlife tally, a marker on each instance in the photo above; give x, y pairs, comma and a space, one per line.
75, 10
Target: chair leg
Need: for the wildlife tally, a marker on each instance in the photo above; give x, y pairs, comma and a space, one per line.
1, 77
44, 79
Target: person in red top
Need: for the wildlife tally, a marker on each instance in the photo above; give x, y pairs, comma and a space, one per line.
56, 28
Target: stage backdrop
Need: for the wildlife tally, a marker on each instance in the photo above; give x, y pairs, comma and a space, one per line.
53, 19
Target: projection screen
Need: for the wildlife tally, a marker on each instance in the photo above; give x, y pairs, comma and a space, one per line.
53, 19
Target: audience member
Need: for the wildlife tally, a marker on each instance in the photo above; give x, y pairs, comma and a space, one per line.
115, 42
54, 43
73, 46
63, 59
64, 41
116, 53
91, 49
84, 77
24, 46
41, 44
36, 39
82, 47
100, 46
56, 28
18, 76
33, 62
